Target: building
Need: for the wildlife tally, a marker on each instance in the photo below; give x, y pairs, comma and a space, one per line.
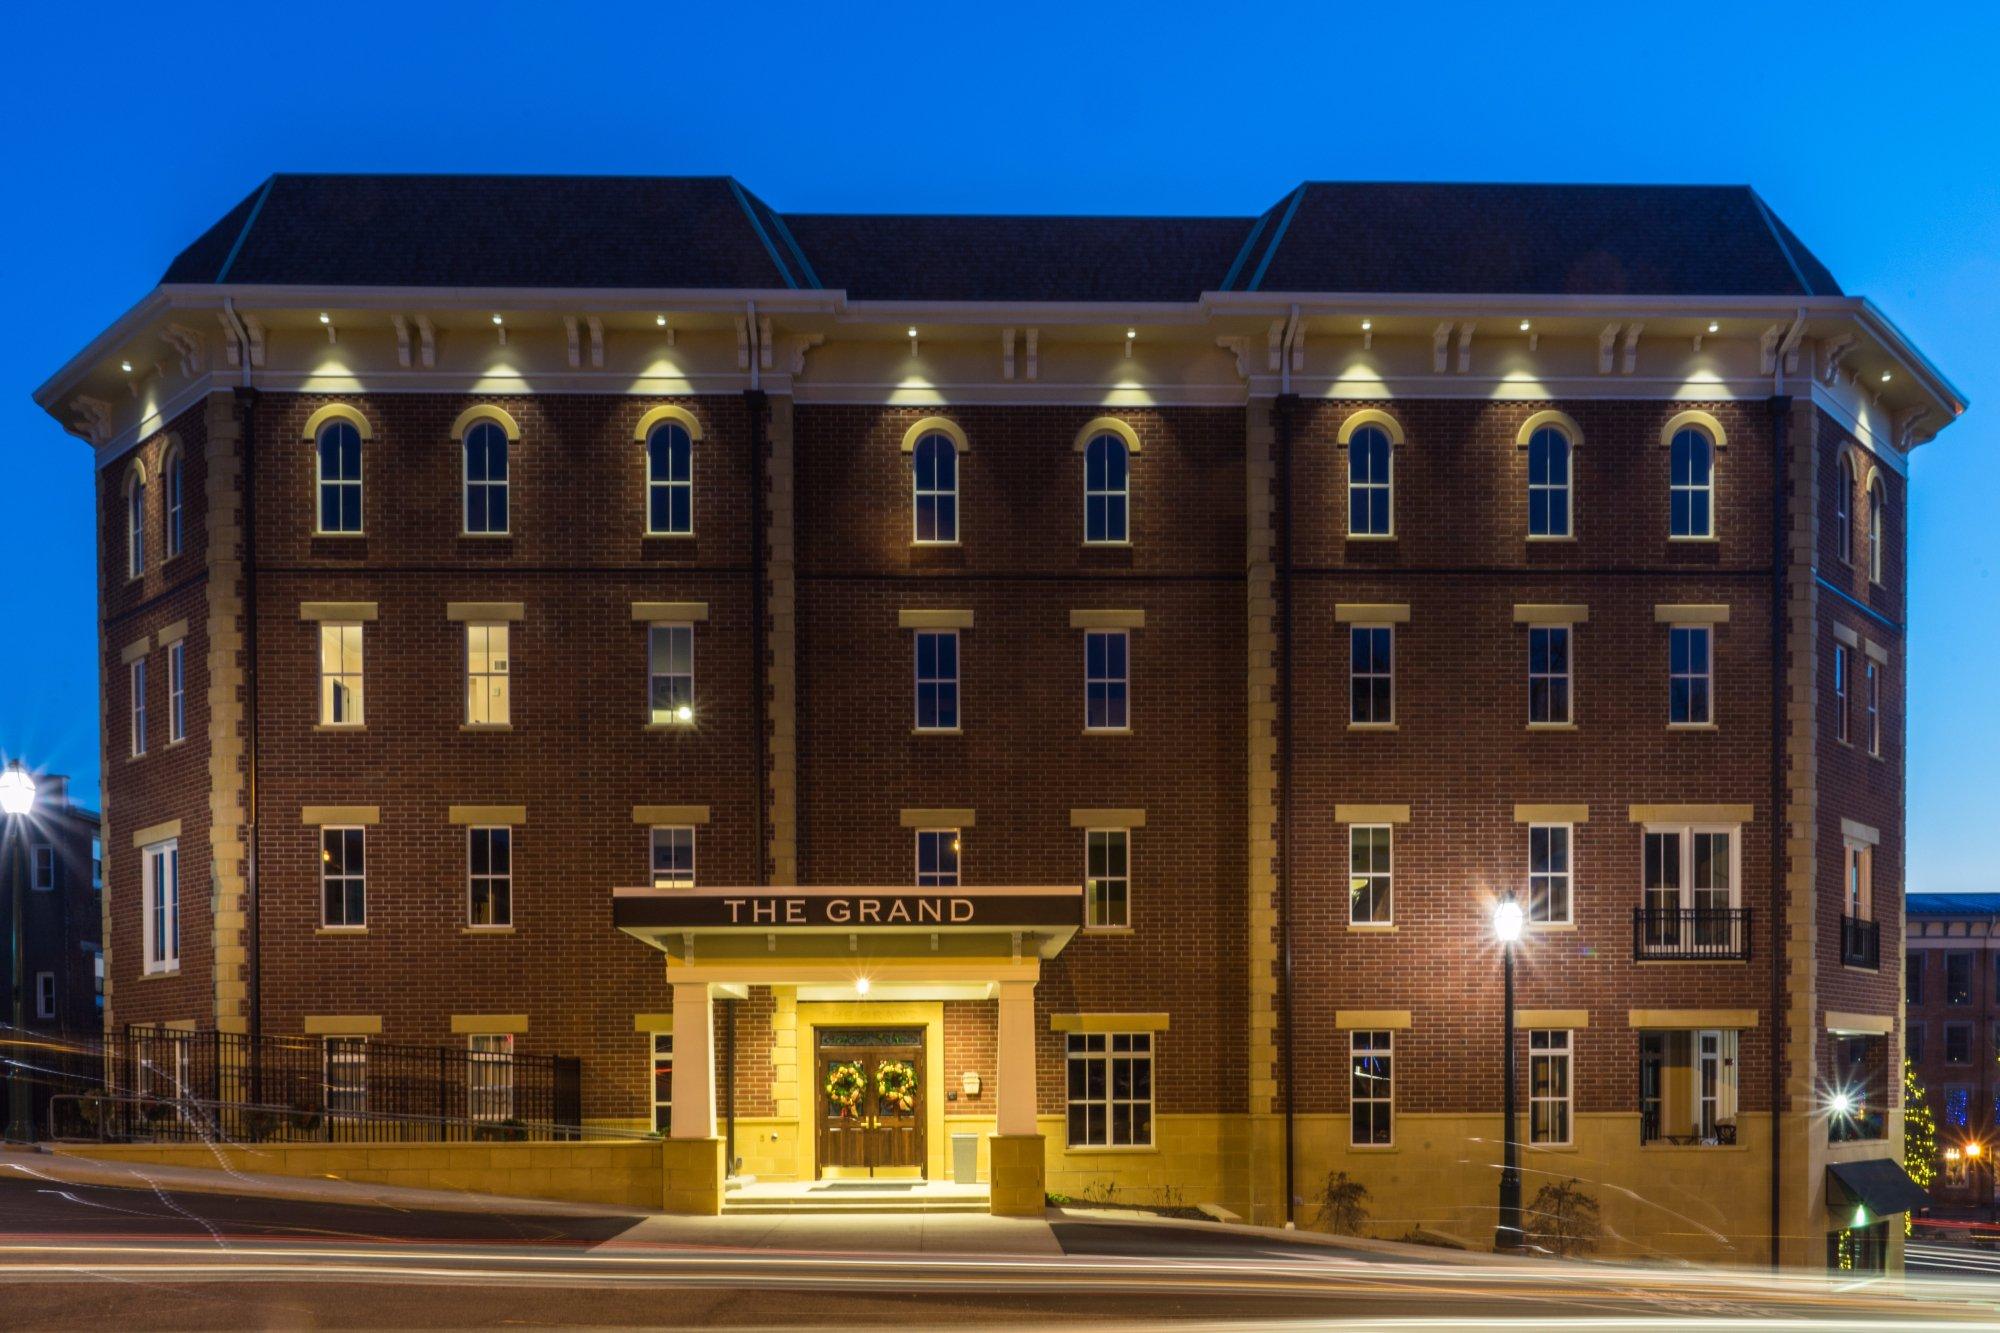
62, 908
1103, 672
1951, 1003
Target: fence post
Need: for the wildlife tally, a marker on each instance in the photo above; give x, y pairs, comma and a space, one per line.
443, 1129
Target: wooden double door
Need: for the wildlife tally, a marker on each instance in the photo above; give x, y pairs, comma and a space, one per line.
870, 1090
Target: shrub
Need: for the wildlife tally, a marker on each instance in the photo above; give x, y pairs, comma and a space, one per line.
1343, 1204
1563, 1220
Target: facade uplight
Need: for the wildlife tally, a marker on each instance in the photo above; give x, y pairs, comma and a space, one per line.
684, 713
660, 320
1714, 326
1526, 325
125, 366
861, 985
497, 319
1886, 377
325, 318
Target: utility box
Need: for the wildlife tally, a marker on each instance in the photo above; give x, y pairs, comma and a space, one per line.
965, 1159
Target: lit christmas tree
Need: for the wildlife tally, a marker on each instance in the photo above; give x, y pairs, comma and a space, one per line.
1920, 1145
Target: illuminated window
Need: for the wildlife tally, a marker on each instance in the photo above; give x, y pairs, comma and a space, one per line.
1840, 708
340, 675
1957, 1106
486, 478
1549, 1084
1110, 1089
670, 658
138, 682
490, 867
1370, 875
662, 1080
1548, 675
937, 680
1370, 485
339, 477
669, 481
937, 858
174, 472
1690, 675
489, 1076
1691, 493
673, 857
347, 1075
1878, 508
1107, 490
1371, 675
343, 877
177, 709
488, 676
1687, 1087
934, 471
1872, 702
1107, 878
160, 919
1548, 483
1860, 893
1106, 680
135, 522
1371, 1060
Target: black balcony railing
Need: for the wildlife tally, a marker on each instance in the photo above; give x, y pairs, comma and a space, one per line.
1860, 942
1691, 933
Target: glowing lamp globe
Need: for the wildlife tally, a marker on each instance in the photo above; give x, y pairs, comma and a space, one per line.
1507, 921
1841, 1103
17, 790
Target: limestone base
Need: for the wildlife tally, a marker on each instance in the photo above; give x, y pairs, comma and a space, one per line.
1018, 1175
692, 1173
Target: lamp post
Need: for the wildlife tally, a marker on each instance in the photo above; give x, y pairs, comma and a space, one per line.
17, 798
1507, 928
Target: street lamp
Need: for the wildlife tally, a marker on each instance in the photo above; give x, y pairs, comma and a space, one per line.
17, 798
1507, 929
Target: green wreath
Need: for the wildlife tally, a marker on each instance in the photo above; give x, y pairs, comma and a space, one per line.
845, 1084
896, 1081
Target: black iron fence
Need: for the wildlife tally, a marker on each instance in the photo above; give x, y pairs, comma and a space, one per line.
170, 1086
1860, 942
1691, 933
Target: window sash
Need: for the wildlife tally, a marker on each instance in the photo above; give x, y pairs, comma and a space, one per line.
339, 476
45, 995
346, 1075
1843, 516
341, 679
1693, 867
488, 676
937, 858
177, 690
1371, 1088
669, 481
1550, 873
160, 918
1107, 490
485, 462
489, 1076
672, 856
1107, 680
1371, 673
135, 528
1840, 709
936, 680
343, 876
1549, 459
1691, 488
1550, 675
1371, 487
661, 1080
670, 672
1690, 675
489, 859
934, 491
1877, 504
1874, 708
1550, 1086
1107, 878
138, 683
1371, 874
1109, 1089
175, 482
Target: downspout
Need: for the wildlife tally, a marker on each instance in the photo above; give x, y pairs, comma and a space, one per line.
1283, 422
246, 399
754, 405
1781, 406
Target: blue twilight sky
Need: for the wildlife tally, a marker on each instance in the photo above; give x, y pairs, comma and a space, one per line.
1871, 130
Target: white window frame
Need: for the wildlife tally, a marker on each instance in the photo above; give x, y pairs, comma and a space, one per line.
489, 693
1872, 673
1551, 488
465, 482
1878, 517
135, 523
45, 996
496, 881
349, 673
1842, 725
1097, 885
177, 721
1102, 1048
1386, 485
674, 832
1120, 496
937, 681
662, 1044
1558, 1045
1705, 489
97, 976
1857, 880
1684, 835
173, 481
1551, 880
1355, 675
136, 674
326, 875
1565, 678
656, 484
1121, 682
1370, 1044
489, 1076
322, 483
948, 842
347, 1054
41, 858
1359, 878
1843, 510
160, 906
680, 714
941, 446
1706, 676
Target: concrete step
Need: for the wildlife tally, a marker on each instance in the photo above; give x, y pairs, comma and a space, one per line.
849, 1206
852, 1197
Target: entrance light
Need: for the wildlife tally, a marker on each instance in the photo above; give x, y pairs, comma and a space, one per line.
1507, 921
861, 985
684, 713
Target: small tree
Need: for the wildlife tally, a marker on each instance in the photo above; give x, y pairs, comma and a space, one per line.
1920, 1145
1343, 1204
1564, 1219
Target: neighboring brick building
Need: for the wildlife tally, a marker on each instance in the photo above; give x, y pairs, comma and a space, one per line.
1951, 983
61, 898
985, 645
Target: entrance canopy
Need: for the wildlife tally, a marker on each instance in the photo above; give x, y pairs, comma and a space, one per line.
1879, 1184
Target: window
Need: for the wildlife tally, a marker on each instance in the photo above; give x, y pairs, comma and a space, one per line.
669, 481
934, 470
1957, 1173
45, 995
97, 978
340, 675
339, 477
1859, 876
1913, 1043
937, 858
1859, 1249
1548, 874
1369, 486
1548, 675
1549, 1086
1958, 978
177, 715
1872, 704
1843, 510
937, 679
1878, 508
488, 676
1371, 675
670, 668
161, 924
1110, 1089
1687, 1087
1107, 490
1548, 483
96, 864
175, 475
1106, 680
1370, 876
490, 862
489, 1076
43, 876
347, 1075
1840, 709
343, 877
673, 857
663, 1082
486, 478
138, 707
1690, 676
1913, 977
1861, 1072
1958, 1043
1371, 1057
1692, 487
1690, 887
1107, 878
135, 523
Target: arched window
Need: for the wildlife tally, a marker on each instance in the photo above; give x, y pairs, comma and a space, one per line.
1107, 490
1878, 510
173, 471
486, 477
1370, 489
669, 480
1691, 488
135, 522
1843, 510
934, 469
1548, 483
339, 446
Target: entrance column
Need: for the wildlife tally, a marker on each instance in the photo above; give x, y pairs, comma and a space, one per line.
692, 1170
1018, 1183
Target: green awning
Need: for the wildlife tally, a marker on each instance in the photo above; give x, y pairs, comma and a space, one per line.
1879, 1184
